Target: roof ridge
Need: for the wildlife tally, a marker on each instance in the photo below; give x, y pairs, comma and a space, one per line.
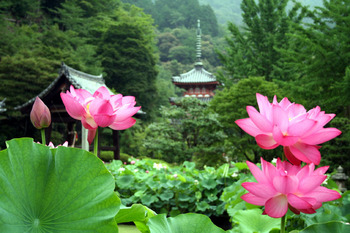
71, 71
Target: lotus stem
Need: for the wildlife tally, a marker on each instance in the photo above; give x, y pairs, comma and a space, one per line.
43, 138
96, 142
284, 157
283, 224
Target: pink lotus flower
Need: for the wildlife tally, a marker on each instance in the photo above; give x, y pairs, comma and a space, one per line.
291, 126
40, 115
132, 162
100, 109
287, 185
65, 144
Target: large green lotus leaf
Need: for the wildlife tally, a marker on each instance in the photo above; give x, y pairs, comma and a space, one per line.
137, 213
333, 227
189, 223
254, 221
54, 190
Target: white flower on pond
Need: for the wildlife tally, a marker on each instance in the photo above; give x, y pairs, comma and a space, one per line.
158, 166
121, 169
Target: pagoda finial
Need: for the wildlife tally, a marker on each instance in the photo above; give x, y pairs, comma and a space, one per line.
198, 47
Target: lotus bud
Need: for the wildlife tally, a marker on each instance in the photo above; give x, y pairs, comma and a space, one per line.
40, 115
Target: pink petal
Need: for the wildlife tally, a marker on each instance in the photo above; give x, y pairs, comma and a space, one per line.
300, 128
102, 112
73, 107
81, 93
323, 194
321, 170
98, 106
285, 184
123, 124
259, 120
265, 106
257, 173
308, 211
248, 126
322, 119
309, 183
306, 153
65, 144
116, 101
266, 141
91, 135
269, 170
104, 120
282, 139
284, 103
298, 202
290, 156
296, 110
128, 100
277, 206
103, 93
280, 118
250, 198
260, 190
321, 136
305, 171
88, 122
123, 114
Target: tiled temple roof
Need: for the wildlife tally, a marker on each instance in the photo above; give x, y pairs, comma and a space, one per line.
77, 78
196, 75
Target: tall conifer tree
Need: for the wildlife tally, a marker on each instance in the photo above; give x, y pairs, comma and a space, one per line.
253, 51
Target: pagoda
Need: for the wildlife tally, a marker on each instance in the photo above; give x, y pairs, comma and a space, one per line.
197, 82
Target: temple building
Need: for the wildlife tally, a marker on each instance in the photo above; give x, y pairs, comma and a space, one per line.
51, 97
197, 82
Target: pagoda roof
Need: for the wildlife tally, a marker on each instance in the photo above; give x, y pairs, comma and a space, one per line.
197, 75
76, 78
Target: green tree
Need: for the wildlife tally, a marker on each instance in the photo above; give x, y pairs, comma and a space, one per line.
23, 76
230, 104
165, 87
21, 11
179, 13
319, 57
128, 57
186, 131
252, 52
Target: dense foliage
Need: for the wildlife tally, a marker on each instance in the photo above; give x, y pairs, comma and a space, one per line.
172, 189
179, 13
186, 131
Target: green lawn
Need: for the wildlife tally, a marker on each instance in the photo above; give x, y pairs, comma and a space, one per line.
128, 229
